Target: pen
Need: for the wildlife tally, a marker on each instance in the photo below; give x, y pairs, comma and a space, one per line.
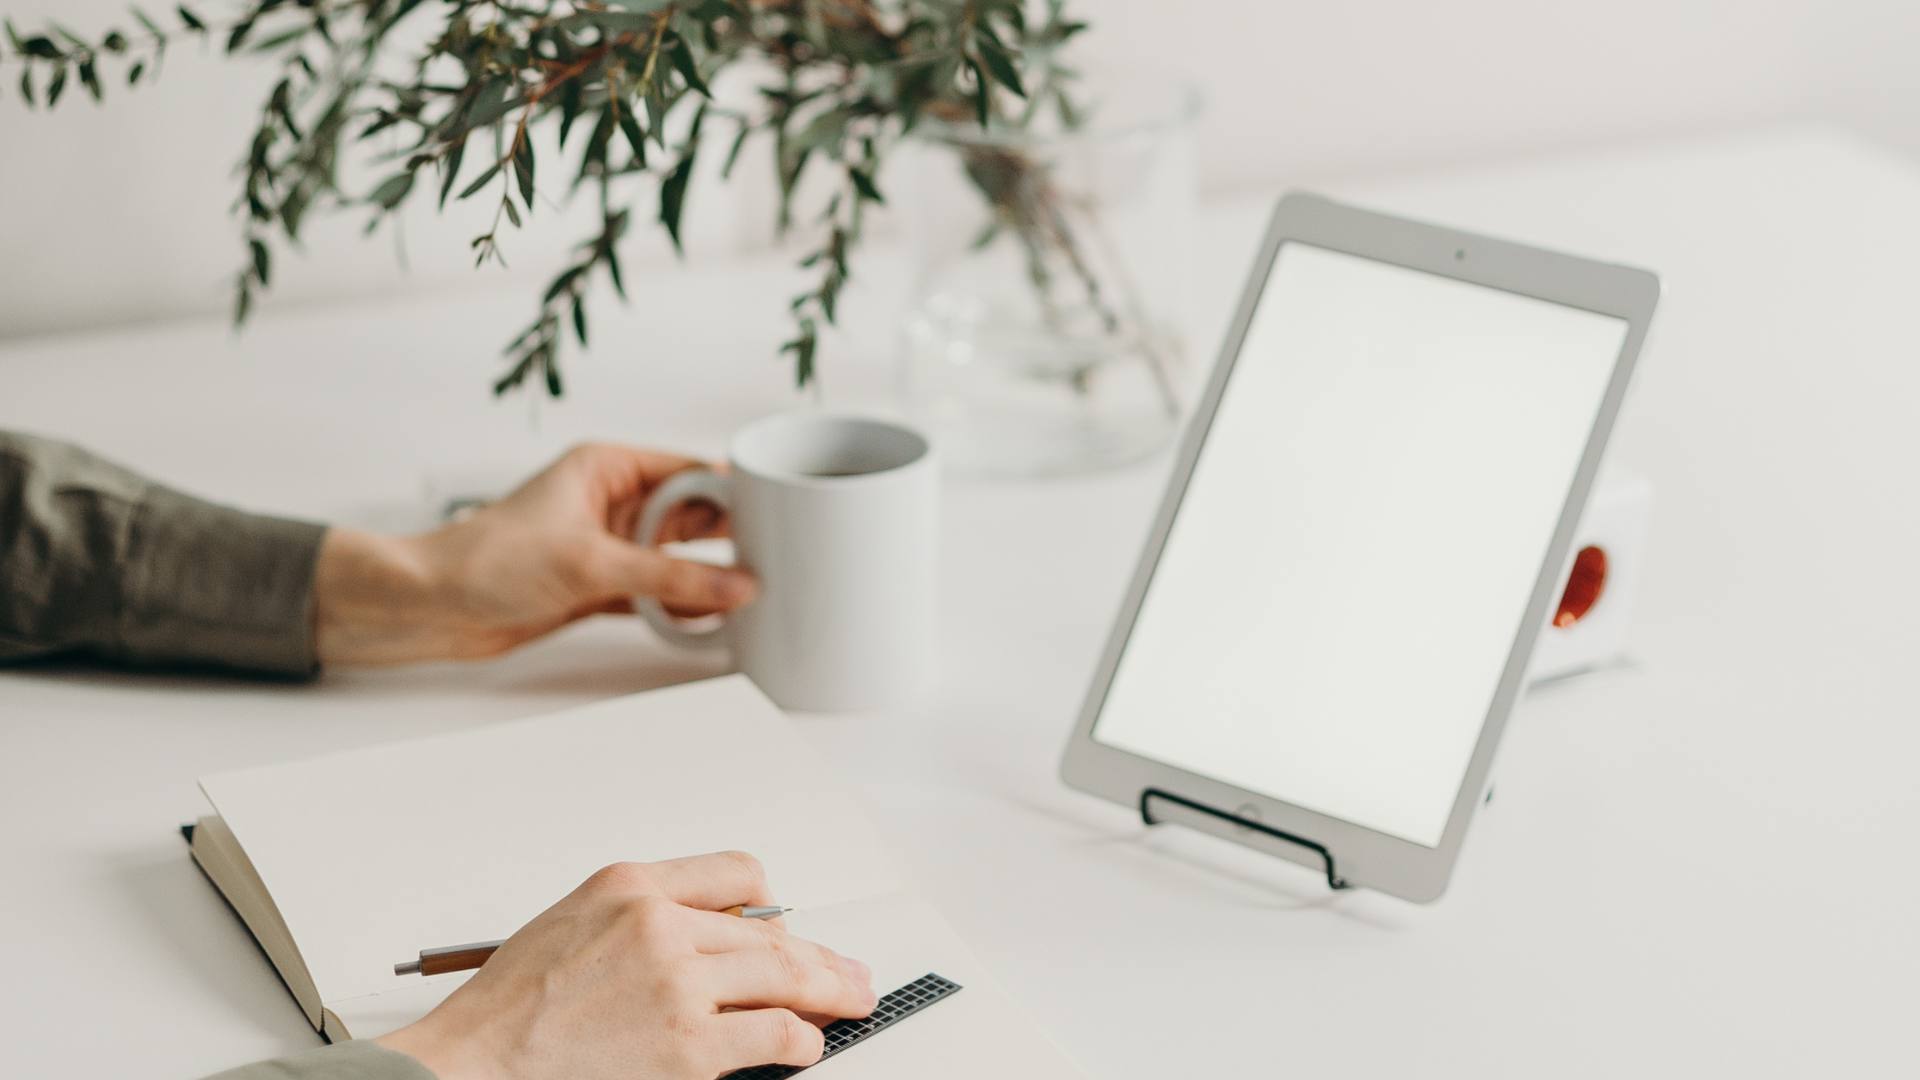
467, 957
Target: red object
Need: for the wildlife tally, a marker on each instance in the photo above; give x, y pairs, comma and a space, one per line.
1584, 586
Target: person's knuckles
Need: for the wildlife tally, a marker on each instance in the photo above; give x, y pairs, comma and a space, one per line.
853, 975
811, 978
746, 867
623, 878
794, 979
651, 923
793, 1040
586, 453
806, 952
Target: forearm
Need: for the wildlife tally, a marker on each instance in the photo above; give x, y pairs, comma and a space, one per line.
380, 600
374, 599
96, 559
358, 1060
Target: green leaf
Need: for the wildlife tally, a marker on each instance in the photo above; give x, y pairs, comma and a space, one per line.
292, 212
1000, 66
552, 371
262, 262
151, 27
982, 94
281, 105
513, 215
733, 152
682, 59
657, 116
612, 22
191, 21
242, 302
595, 154
802, 349
1070, 116
693, 129
824, 131
238, 35
392, 190
454, 158
43, 47
382, 120
90, 78
562, 283
138, 69
58, 84
864, 185
26, 85
673, 197
492, 171
284, 37
115, 42
511, 379
523, 171
493, 101
13, 36
613, 270
73, 39
569, 108
580, 321
636, 138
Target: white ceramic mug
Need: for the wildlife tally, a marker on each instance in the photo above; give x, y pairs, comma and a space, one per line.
837, 517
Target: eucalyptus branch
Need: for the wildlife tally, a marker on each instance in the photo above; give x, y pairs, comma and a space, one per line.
849, 79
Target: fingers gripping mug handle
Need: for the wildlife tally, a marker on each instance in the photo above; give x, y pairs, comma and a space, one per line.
685, 486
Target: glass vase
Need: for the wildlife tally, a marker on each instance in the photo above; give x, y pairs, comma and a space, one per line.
1047, 335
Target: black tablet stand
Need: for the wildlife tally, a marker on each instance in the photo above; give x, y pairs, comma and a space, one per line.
1334, 881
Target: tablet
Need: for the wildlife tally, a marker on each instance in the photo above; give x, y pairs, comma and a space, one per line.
1366, 524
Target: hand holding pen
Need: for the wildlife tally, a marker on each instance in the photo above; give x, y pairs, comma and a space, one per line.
641, 971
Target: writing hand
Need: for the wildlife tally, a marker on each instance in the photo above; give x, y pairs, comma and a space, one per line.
636, 975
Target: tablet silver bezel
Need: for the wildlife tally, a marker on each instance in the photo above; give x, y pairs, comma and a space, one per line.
1364, 856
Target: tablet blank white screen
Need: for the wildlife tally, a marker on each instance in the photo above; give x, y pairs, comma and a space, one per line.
1359, 538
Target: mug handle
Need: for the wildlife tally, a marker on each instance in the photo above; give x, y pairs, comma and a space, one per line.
684, 486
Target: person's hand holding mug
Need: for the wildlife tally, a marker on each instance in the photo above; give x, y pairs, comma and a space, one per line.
638, 974
560, 548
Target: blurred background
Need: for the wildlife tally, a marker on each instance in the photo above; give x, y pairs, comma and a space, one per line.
118, 213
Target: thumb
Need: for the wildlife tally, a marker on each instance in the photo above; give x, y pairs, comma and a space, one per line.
632, 570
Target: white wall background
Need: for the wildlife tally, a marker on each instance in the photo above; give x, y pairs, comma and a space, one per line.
118, 213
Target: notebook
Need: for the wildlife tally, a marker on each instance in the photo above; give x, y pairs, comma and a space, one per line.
345, 864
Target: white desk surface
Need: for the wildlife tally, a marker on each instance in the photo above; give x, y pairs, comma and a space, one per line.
1702, 861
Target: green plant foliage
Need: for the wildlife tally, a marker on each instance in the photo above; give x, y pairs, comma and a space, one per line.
839, 82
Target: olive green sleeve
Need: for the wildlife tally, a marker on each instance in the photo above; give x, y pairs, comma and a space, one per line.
358, 1060
97, 560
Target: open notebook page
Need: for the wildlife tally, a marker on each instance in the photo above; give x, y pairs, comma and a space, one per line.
373, 854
